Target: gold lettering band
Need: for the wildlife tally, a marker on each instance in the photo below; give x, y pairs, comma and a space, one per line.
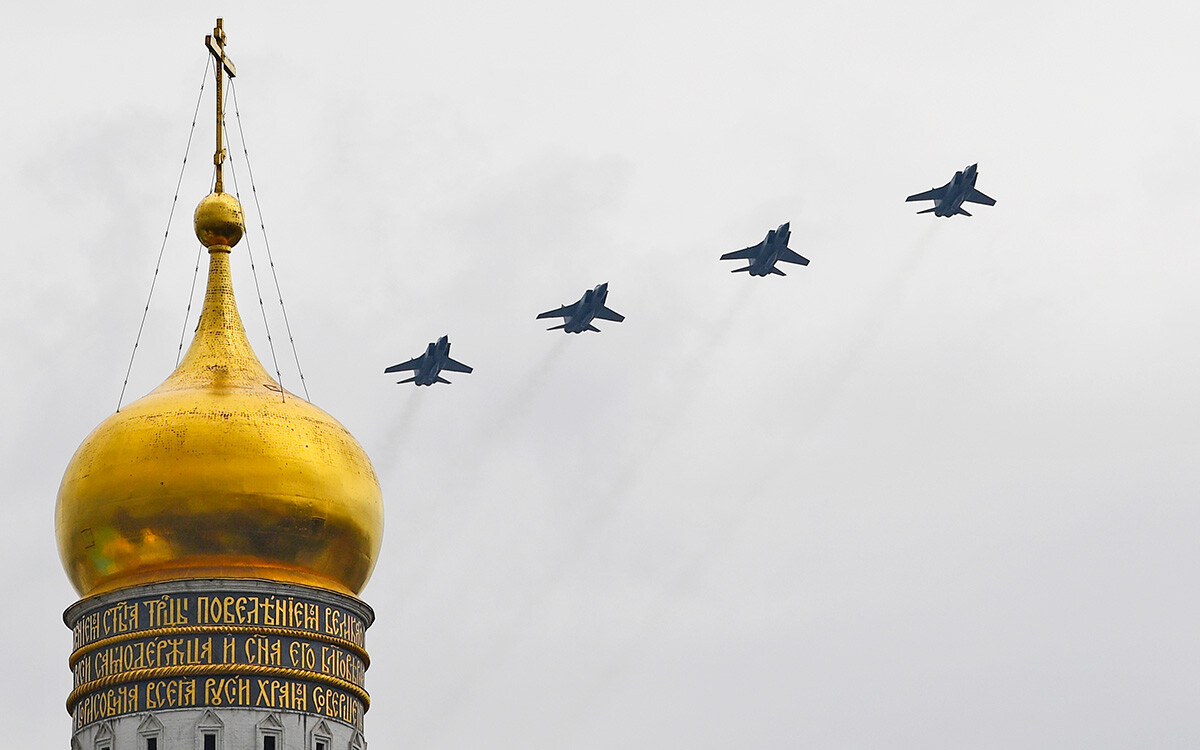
333, 640
198, 670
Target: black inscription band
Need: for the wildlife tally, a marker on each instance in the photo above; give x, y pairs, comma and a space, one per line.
199, 670
218, 691
350, 646
196, 608
219, 643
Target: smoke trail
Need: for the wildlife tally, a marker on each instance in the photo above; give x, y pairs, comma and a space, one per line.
402, 426
475, 519
569, 720
692, 377
695, 373
873, 323
726, 530
399, 432
602, 507
533, 383
720, 331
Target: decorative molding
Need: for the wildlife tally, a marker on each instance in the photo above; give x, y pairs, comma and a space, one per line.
104, 738
210, 723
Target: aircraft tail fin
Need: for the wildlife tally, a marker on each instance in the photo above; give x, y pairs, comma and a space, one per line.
961, 211
775, 270
440, 379
414, 377
739, 270
593, 328
928, 210
555, 328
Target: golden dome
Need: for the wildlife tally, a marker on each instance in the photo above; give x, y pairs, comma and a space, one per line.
218, 472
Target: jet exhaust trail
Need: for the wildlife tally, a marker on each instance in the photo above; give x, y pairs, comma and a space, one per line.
728, 529
695, 373
602, 506
606, 503
401, 429
529, 387
874, 321
491, 435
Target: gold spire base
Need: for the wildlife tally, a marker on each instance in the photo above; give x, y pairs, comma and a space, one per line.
219, 221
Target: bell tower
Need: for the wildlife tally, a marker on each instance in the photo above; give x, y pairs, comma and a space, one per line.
218, 531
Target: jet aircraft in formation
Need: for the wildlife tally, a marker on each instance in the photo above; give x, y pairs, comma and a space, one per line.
578, 316
428, 366
948, 199
765, 254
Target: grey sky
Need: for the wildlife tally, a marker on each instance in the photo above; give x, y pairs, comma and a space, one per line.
938, 489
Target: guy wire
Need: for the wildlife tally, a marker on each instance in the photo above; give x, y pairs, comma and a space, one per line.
188, 313
254, 272
166, 233
192, 292
266, 241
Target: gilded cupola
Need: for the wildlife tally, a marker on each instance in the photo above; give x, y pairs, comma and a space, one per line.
219, 472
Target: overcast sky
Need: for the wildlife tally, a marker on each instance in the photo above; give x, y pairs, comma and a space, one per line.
938, 489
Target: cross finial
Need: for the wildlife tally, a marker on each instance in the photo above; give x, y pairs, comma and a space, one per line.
216, 46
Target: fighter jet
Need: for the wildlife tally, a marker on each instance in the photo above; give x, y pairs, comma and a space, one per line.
765, 254
948, 199
427, 366
578, 315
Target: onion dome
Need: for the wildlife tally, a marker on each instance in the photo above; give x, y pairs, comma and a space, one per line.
219, 472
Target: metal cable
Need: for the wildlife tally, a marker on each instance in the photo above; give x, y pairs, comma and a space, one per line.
191, 296
166, 233
253, 272
266, 241
192, 291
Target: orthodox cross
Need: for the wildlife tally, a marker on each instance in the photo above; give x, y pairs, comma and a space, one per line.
216, 46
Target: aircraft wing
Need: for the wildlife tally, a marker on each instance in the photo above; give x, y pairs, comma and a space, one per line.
455, 366
974, 196
561, 312
930, 195
748, 253
606, 314
791, 256
411, 364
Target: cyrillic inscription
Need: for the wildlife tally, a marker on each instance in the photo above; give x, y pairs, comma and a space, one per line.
234, 650
212, 649
240, 691
168, 611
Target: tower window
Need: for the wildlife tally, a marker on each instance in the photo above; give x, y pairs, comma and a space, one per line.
268, 742
210, 741
151, 743
321, 745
